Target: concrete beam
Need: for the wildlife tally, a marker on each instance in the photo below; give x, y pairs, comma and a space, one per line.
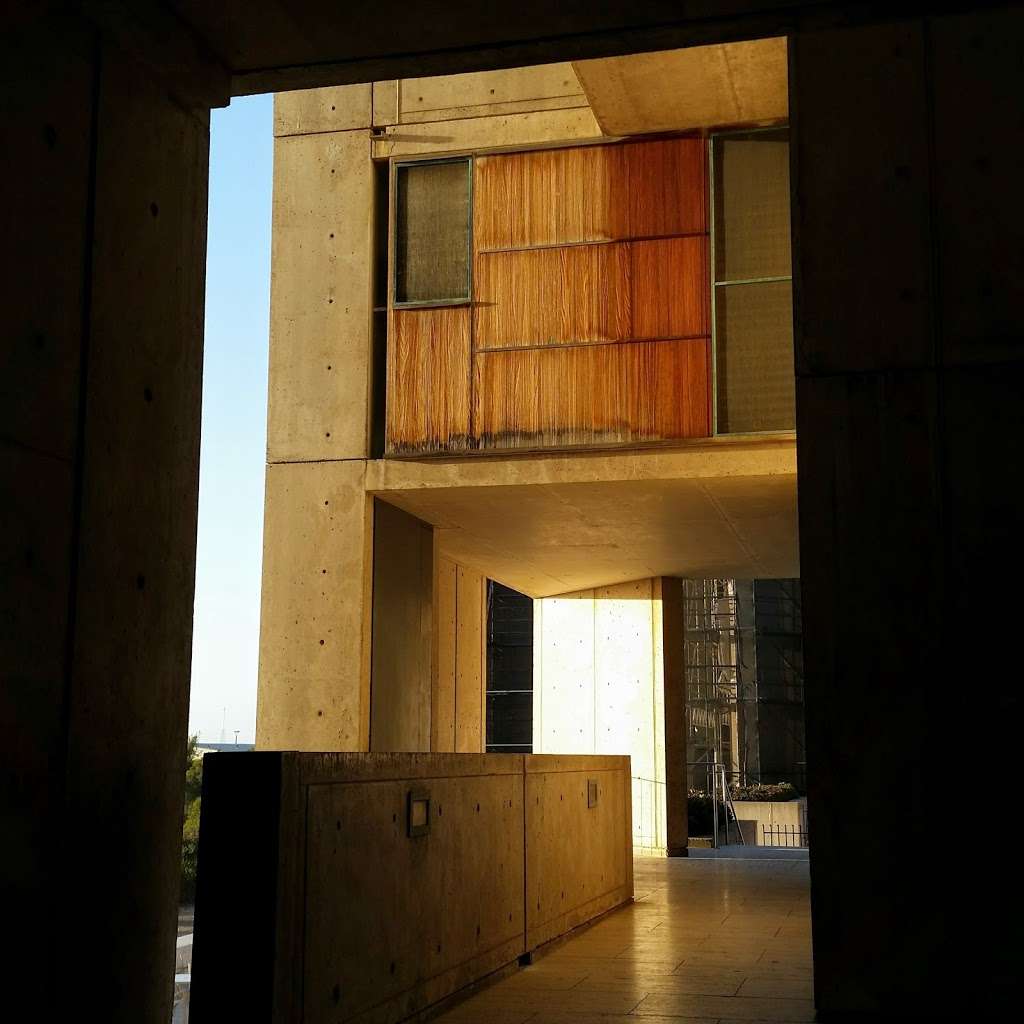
679, 90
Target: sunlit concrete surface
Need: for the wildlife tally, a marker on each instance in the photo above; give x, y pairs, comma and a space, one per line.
706, 940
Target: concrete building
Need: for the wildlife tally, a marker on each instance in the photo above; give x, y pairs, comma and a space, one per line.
532, 326
905, 151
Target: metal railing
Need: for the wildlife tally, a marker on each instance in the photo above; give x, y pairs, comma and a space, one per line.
718, 790
648, 812
790, 836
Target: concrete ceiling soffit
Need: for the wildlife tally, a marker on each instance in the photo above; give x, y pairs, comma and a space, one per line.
680, 90
167, 47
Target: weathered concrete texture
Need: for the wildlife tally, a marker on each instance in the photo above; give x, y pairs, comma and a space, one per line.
442, 689
385, 102
47, 97
699, 87
600, 688
347, 915
879, 317
269, 48
128, 690
400, 920
403, 613
579, 857
978, 139
470, 660
503, 131
547, 525
929, 448
99, 448
315, 619
335, 109
40, 360
757, 816
907, 512
484, 94
320, 303
429, 642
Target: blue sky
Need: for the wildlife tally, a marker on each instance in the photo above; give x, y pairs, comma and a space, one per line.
232, 461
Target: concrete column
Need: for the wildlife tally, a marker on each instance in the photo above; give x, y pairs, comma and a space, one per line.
315, 623
674, 681
470, 661
314, 679
400, 672
442, 692
458, 700
105, 211
910, 369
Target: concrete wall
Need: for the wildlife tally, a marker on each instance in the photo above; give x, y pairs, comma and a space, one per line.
316, 632
579, 858
315, 619
460, 661
908, 513
104, 223
907, 403
403, 614
755, 815
323, 907
600, 659
322, 414
315, 626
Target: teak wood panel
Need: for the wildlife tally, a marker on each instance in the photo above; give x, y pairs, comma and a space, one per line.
590, 194
428, 380
591, 395
671, 294
553, 296
593, 293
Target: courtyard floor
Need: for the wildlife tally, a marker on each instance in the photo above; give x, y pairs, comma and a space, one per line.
713, 939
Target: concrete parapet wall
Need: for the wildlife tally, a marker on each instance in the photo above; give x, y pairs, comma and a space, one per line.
579, 858
761, 814
320, 900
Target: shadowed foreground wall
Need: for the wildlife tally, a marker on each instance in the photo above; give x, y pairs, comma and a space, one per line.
909, 383
315, 902
908, 295
104, 225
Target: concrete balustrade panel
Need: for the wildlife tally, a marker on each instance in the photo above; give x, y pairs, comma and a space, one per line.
317, 900
396, 922
579, 858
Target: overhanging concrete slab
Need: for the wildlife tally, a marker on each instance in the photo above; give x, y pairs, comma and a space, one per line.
678, 90
549, 525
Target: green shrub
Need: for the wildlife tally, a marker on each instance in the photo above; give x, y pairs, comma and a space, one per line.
700, 813
773, 792
190, 825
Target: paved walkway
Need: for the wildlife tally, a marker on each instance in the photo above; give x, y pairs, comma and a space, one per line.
706, 940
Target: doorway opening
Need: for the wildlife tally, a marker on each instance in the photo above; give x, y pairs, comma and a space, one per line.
519, 337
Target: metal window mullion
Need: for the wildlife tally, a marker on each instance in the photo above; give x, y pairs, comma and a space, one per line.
712, 276
754, 280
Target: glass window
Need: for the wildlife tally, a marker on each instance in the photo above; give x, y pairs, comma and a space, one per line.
753, 295
432, 232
